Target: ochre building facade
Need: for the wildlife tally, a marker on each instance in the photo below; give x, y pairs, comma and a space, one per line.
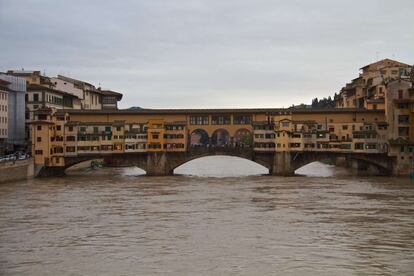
74, 133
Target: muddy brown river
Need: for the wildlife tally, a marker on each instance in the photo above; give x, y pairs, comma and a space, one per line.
222, 222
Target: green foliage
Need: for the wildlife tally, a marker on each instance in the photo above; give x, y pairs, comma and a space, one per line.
323, 103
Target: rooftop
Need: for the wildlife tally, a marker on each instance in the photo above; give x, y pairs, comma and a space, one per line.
271, 111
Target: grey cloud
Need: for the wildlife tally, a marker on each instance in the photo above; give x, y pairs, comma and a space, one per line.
206, 53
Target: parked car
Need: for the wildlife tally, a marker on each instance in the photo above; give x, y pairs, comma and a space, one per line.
23, 156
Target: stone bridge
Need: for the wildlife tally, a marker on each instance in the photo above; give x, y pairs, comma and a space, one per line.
278, 163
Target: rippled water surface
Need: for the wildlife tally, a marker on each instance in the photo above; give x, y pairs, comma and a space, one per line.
112, 222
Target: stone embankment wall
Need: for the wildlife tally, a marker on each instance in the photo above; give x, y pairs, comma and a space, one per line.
16, 170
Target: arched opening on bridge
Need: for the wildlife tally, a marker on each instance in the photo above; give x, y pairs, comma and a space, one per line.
100, 167
220, 138
317, 169
199, 137
221, 166
243, 138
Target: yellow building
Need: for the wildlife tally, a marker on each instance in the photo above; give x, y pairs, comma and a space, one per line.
266, 130
369, 89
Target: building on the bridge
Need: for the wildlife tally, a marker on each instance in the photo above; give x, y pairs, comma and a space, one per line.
102, 133
400, 118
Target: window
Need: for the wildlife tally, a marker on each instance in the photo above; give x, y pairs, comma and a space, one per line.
403, 119
285, 124
242, 119
359, 146
38, 152
70, 128
95, 129
403, 131
345, 127
199, 120
118, 128
221, 120
35, 97
58, 127
155, 136
400, 94
39, 127
39, 139
82, 129
70, 138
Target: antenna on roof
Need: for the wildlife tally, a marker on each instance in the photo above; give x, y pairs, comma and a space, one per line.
44, 72
376, 55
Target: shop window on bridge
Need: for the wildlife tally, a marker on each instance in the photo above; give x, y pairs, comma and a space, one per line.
199, 120
221, 120
371, 146
58, 150
106, 147
242, 119
295, 145
345, 146
359, 146
154, 146
264, 145
70, 149
321, 135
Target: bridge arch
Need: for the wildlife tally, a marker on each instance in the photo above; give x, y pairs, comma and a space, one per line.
356, 161
257, 165
127, 160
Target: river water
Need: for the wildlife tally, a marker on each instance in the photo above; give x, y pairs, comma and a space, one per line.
222, 222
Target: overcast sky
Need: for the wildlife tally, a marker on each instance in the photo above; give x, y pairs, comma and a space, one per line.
211, 53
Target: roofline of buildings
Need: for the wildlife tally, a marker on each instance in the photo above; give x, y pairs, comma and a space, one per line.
220, 111
38, 87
